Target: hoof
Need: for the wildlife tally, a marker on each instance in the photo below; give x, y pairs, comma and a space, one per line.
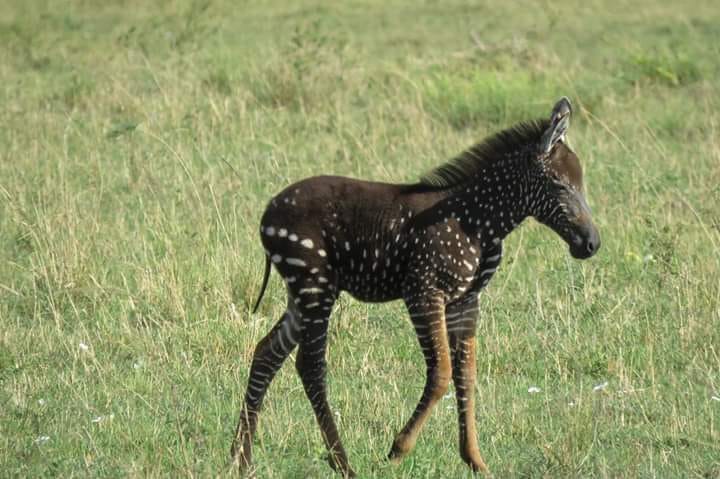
396, 454
242, 461
476, 464
480, 468
243, 469
339, 467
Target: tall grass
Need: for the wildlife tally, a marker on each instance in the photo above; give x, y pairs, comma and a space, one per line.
140, 144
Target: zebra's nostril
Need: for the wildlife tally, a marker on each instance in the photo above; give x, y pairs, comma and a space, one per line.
592, 246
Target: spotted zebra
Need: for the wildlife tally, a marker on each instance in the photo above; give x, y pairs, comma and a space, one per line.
434, 244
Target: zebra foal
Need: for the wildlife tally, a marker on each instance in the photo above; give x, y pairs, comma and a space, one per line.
434, 244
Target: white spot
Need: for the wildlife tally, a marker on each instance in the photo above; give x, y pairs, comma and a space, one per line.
83, 347
295, 262
311, 290
276, 258
314, 271
270, 231
322, 252
347, 246
98, 419
308, 243
293, 237
282, 232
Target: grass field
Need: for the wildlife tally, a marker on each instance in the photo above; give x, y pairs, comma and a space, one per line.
139, 142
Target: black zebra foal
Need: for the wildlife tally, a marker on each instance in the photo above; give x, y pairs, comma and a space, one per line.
434, 244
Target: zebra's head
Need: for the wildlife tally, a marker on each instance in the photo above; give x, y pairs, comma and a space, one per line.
559, 197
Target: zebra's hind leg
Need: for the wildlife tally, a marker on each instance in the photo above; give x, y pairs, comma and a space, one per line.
428, 317
461, 320
269, 355
311, 367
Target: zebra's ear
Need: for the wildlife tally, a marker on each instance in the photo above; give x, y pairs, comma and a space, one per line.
559, 123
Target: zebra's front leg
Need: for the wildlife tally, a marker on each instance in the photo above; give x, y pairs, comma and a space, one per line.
428, 317
311, 367
461, 320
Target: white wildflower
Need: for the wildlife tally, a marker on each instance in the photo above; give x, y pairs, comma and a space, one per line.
98, 419
41, 439
600, 387
715, 398
84, 347
534, 389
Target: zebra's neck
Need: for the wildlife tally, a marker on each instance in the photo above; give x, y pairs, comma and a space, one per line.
493, 203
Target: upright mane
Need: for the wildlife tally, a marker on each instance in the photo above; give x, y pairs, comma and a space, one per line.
492, 148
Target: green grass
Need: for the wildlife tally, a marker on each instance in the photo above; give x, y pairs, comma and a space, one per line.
139, 144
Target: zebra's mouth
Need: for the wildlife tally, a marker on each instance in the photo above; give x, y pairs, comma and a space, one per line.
584, 244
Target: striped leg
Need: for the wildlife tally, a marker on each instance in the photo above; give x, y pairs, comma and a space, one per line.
461, 319
269, 355
428, 317
311, 367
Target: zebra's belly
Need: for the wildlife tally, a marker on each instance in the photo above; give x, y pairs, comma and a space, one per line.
371, 293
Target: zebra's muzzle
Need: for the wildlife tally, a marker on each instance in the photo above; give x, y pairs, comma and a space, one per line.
585, 241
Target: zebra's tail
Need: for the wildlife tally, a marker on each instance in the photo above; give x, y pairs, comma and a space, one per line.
264, 284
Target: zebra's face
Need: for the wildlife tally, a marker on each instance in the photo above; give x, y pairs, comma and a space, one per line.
562, 205
566, 210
